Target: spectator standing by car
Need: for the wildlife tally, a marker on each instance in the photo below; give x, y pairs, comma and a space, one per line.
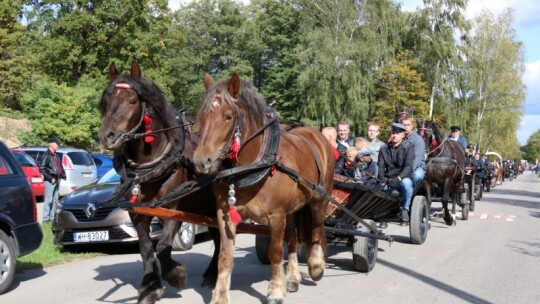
52, 171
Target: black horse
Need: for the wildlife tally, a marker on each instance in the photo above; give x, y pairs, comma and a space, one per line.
444, 168
153, 154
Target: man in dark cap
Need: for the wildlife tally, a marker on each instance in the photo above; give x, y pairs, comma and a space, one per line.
395, 166
52, 170
456, 135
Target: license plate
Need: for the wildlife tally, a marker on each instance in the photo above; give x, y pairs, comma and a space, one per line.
87, 175
36, 180
90, 236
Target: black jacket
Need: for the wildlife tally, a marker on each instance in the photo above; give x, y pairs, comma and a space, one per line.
395, 162
48, 167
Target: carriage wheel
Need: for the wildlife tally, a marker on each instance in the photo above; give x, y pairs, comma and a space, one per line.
419, 223
262, 242
488, 185
184, 239
465, 212
471, 196
364, 249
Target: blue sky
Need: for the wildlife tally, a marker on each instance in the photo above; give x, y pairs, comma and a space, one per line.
527, 25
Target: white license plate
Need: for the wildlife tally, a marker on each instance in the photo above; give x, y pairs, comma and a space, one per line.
90, 236
36, 180
87, 175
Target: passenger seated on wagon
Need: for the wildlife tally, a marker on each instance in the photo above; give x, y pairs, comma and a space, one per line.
331, 134
360, 143
395, 166
456, 135
367, 173
346, 165
419, 168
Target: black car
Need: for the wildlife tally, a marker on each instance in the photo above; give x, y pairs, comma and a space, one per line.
81, 219
20, 233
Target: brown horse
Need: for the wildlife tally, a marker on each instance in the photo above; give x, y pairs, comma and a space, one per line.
233, 121
131, 106
445, 166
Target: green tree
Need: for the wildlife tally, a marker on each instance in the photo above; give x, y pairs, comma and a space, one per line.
343, 43
16, 64
532, 148
70, 113
82, 37
400, 84
431, 38
495, 65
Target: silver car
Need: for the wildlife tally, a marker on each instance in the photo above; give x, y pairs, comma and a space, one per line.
78, 164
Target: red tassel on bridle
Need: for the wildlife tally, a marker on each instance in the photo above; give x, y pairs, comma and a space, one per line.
235, 148
147, 120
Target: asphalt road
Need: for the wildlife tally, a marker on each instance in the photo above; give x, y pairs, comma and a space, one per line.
494, 257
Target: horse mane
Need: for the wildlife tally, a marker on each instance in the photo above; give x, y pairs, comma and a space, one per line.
149, 93
249, 100
439, 135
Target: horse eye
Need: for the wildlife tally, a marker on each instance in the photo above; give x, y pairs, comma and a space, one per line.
133, 101
228, 117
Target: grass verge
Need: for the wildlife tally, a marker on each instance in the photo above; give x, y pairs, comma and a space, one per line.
49, 254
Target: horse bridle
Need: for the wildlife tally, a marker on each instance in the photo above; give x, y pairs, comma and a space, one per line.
130, 135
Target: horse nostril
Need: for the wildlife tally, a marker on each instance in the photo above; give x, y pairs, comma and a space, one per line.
109, 135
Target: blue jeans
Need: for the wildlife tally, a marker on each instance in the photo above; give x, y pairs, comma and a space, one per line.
417, 176
50, 200
405, 187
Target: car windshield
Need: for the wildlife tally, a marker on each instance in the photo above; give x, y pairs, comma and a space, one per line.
109, 178
24, 159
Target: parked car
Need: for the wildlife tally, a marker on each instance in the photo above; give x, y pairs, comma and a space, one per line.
78, 163
31, 170
20, 233
103, 163
80, 219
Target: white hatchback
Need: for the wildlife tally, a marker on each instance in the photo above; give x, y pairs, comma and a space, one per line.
78, 163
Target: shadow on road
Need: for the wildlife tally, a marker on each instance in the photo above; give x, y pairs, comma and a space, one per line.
516, 192
531, 248
122, 275
514, 202
467, 297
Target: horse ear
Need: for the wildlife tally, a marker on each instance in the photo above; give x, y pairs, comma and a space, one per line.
234, 85
113, 72
208, 81
135, 70
397, 109
411, 109
418, 122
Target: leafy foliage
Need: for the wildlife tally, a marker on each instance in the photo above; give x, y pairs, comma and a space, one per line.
532, 148
399, 84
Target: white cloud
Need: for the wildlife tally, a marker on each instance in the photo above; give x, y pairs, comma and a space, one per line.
529, 125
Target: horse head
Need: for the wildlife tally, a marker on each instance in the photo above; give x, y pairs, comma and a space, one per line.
132, 108
431, 133
229, 111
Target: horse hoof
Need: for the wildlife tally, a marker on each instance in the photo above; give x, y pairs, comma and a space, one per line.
209, 283
176, 277
316, 273
275, 301
148, 297
292, 286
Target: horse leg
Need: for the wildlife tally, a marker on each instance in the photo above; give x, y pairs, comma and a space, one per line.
211, 272
173, 272
293, 271
276, 289
448, 218
427, 187
227, 233
315, 238
150, 289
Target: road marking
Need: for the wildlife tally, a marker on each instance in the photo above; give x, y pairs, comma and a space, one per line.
483, 216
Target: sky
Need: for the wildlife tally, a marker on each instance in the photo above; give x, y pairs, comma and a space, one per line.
527, 25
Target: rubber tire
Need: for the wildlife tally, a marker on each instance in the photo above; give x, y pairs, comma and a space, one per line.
8, 261
364, 249
465, 212
185, 237
419, 220
471, 195
488, 186
262, 242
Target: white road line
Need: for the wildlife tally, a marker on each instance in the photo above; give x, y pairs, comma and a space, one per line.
483, 216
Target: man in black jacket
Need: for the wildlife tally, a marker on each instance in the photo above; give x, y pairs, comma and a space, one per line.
395, 165
52, 170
